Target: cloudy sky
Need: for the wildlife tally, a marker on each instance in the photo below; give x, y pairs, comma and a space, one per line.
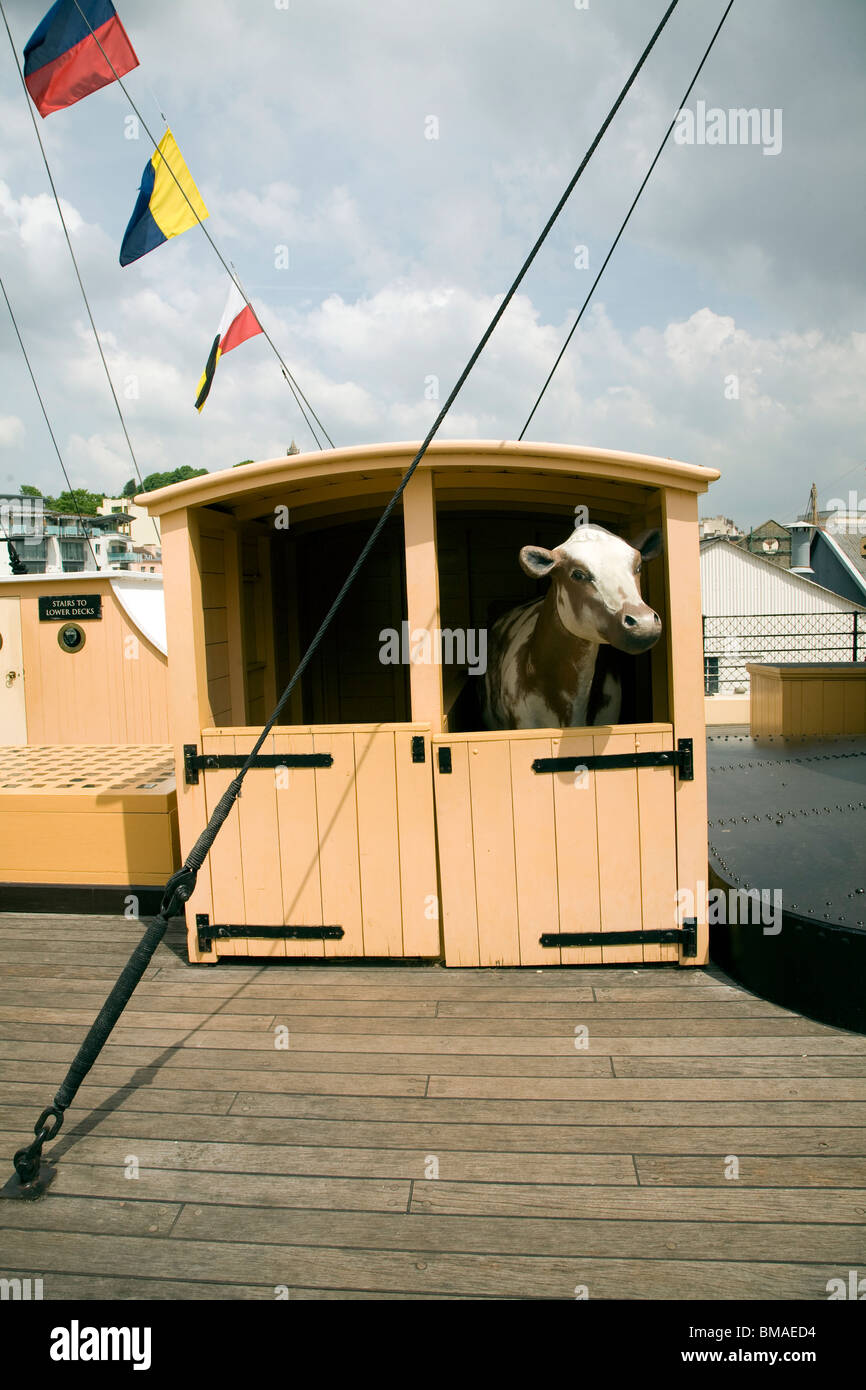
305, 125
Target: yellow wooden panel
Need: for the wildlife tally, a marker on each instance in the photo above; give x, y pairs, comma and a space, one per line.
493, 836
658, 846
114, 690
812, 696
226, 876
60, 846
422, 593
454, 833
618, 848
260, 859
534, 852
577, 848
376, 797
792, 703
187, 684
212, 554
218, 661
219, 695
298, 845
214, 590
419, 889
687, 693
854, 707
215, 629
338, 840
832, 706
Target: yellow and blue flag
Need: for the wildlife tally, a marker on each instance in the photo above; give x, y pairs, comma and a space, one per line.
168, 203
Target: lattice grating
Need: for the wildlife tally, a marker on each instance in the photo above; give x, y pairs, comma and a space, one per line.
91, 768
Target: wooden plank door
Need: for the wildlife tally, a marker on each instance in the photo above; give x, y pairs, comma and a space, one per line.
350, 845
13, 712
523, 854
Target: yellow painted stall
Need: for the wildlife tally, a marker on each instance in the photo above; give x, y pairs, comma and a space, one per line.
803, 700
88, 807
83, 659
380, 820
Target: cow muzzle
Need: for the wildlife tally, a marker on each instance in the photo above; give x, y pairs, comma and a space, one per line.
638, 631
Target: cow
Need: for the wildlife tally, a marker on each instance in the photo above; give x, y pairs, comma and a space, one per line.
543, 655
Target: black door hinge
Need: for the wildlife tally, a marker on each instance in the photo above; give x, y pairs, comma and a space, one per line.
685, 936
682, 759
208, 931
195, 762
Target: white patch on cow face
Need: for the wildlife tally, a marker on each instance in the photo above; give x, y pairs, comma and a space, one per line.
609, 561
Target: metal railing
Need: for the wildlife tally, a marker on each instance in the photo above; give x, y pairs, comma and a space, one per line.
732, 641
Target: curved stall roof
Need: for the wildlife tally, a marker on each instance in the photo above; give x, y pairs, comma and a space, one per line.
374, 468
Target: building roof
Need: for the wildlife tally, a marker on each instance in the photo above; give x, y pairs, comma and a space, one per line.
747, 583
846, 547
770, 528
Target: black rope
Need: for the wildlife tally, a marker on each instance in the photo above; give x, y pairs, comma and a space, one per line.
180, 886
27, 1160
48, 422
295, 388
625, 221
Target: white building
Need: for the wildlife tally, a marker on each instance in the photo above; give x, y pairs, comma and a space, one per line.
717, 526
144, 529
756, 611
50, 542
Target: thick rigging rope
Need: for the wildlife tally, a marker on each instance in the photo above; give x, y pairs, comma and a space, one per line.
290, 380
626, 219
48, 423
181, 884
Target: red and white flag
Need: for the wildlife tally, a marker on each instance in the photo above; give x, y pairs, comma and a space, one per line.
237, 324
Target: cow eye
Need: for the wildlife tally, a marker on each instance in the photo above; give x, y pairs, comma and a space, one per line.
579, 574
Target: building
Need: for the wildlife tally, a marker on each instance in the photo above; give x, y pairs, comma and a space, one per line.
754, 609
838, 558
143, 529
50, 542
718, 526
771, 541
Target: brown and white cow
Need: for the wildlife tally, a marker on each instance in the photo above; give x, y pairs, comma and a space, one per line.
543, 655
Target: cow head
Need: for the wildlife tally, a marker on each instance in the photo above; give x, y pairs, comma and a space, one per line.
595, 578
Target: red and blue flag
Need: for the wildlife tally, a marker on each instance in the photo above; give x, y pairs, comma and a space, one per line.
79, 47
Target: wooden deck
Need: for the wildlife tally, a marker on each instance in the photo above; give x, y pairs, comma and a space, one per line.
312, 1168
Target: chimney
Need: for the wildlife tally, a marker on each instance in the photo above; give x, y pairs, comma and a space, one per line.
801, 542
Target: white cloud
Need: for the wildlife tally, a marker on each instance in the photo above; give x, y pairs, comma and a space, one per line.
306, 128
12, 430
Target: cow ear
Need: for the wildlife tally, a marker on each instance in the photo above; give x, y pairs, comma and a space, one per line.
649, 543
536, 561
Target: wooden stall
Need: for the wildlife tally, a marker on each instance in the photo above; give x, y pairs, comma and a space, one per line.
381, 820
83, 659
88, 810
803, 699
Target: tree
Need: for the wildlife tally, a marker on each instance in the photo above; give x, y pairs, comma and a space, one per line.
78, 500
177, 475
155, 480
27, 490
242, 462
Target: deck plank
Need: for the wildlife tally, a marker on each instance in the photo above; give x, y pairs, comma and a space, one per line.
311, 1167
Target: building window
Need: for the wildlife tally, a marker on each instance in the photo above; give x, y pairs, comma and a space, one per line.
711, 675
